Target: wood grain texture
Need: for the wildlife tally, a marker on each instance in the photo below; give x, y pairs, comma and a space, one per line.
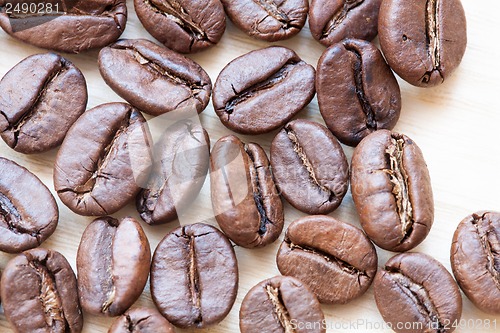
456, 125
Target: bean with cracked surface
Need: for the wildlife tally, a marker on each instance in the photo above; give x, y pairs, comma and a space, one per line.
141, 320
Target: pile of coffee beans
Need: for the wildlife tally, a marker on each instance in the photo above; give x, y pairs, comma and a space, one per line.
108, 157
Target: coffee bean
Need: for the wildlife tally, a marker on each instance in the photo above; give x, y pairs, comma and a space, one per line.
141, 320
28, 211
40, 98
332, 21
310, 167
269, 20
113, 262
103, 158
357, 92
392, 191
245, 200
335, 259
185, 26
153, 78
414, 288
281, 304
475, 259
39, 293
194, 276
66, 26
263, 89
423, 40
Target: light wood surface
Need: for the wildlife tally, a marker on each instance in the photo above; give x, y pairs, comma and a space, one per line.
456, 125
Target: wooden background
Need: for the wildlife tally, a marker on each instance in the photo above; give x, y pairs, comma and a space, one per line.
457, 126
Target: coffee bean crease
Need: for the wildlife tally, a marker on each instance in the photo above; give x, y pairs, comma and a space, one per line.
280, 309
339, 16
274, 11
433, 37
490, 242
12, 219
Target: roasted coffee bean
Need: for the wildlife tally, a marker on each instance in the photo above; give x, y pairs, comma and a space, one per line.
281, 304
310, 167
153, 78
415, 288
391, 189
245, 200
332, 21
194, 276
141, 320
65, 25
423, 40
357, 92
261, 90
40, 98
28, 211
39, 293
113, 262
475, 259
185, 26
179, 171
335, 259
269, 20
103, 159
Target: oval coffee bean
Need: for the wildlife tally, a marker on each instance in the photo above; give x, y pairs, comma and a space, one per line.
475, 259
65, 26
335, 259
153, 78
310, 167
415, 288
194, 276
40, 98
268, 20
141, 320
113, 262
332, 21
366, 94
28, 211
281, 304
245, 200
263, 89
103, 158
39, 293
423, 40
392, 191
185, 26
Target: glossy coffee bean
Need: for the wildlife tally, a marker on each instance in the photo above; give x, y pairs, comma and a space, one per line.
392, 191
357, 92
141, 320
423, 40
335, 259
245, 200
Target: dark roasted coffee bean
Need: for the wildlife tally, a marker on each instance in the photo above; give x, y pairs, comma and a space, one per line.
179, 171
357, 92
39, 293
103, 159
65, 25
281, 304
194, 276
269, 20
414, 288
335, 259
154, 79
141, 320
310, 167
475, 259
392, 191
113, 262
185, 26
28, 211
262, 90
40, 98
245, 200
423, 40
332, 21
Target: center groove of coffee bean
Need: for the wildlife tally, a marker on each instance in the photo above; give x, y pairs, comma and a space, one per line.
490, 242
339, 16
130, 323
274, 296
432, 30
274, 11
194, 285
10, 217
